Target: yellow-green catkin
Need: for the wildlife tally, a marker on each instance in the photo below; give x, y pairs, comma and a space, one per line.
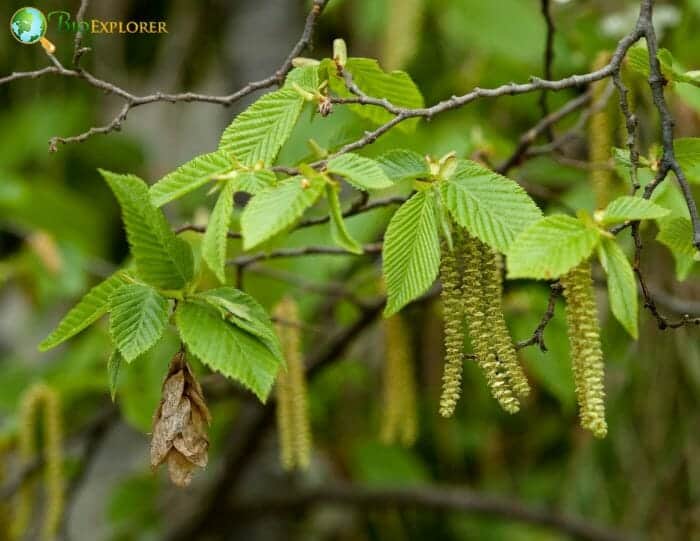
476, 309
600, 134
36, 397
586, 351
292, 405
453, 317
496, 323
399, 416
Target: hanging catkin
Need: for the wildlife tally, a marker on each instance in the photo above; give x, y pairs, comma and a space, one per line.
600, 134
292, 410
502, 343
36, 397
399, 416
586, 352
453, 317
480, 332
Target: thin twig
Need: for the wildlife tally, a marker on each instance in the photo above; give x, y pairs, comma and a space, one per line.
545, 8
246, 260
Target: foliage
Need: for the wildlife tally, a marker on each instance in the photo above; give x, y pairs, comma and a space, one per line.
215, 244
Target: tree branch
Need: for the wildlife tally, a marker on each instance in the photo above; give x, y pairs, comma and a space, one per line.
437, 498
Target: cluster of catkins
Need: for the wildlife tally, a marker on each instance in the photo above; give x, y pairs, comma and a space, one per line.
472, 287
34, 399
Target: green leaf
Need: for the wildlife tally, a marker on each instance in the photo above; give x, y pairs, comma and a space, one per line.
638, 58
113, 366
259, 132
254, 182
402, 164
676, 234
275, 209
411, 251
305, 77
214, 241
687, 152
395, 86
340, 232
551, 247
162, 259
226, 348
491, 207
363, 173
138, 314
631, 208
90, 308
622, 288
246, 313
190, 176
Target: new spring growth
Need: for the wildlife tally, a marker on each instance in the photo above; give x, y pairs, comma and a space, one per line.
478, 275
340, 52
502, 342
293, 425
34, 399
453, 316
586, 352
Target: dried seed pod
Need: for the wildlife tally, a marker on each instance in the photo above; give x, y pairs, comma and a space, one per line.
180, 424
399, 416
586, 351
453, 317
37, 396
600, 137
293, 423
480, 333
502, 343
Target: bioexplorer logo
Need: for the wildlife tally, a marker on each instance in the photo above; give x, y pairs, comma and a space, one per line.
29, 25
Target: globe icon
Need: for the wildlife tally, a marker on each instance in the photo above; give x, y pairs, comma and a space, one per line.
28, 25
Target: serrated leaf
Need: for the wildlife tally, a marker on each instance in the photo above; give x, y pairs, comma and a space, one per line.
622, 288
631, 208
259, 132
306, 77
190, 176
226, 348
275, 209
113, 367
411, 251
638, 58
363, 173
676, 234
215, 238
551, 247
138, 314
246, 313
339, 231
89, 309
490, 206
687, 150
395, 86
162, 259
254, 182
402, 164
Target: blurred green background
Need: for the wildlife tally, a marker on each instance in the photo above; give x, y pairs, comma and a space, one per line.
60, 232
